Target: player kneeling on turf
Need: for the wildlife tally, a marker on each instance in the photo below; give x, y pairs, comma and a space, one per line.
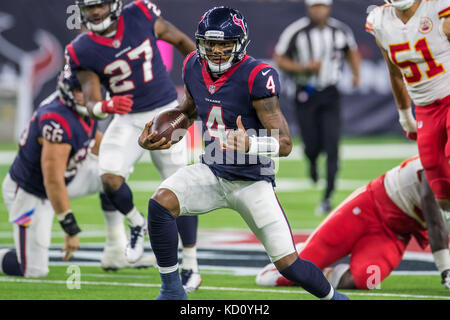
56, 162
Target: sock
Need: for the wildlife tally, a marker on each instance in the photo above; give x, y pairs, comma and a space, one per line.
335, 274
9, 264
310, 277
190, 259
187, 228
115, 229
122, 198
171, 287
163, 232
135, 218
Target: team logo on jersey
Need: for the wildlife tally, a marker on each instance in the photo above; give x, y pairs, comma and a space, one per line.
426, 25
116, 44
212, 89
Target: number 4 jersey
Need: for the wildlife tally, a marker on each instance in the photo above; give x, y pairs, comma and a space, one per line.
220, 102
129, 62
419, 47
56, 123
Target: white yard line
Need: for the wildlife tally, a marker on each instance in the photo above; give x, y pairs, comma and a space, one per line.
263, 290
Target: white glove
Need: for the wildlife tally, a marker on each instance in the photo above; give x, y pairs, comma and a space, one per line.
408, 123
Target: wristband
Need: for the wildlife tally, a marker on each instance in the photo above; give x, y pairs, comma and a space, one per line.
68, 223
97, 111
442, 260
405, 116
265, 146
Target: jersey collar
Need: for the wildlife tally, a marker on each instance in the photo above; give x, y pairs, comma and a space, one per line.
114, 42
214, 86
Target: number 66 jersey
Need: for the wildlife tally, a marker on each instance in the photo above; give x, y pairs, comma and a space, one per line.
129, 62
419, 47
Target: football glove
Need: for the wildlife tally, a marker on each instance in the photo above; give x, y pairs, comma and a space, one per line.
445, 275
117, 104
408, 123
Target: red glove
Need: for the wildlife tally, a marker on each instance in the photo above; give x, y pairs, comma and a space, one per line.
410, 135
118, 104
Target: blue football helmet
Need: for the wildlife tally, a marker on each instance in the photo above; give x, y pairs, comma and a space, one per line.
222, 24
114, 13
67, 82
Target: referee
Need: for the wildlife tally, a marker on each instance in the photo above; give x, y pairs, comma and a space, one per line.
312, 50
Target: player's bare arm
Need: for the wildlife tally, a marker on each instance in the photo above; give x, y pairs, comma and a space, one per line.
53, 163
92, 94
401, 97
270, 115
446, 27
437, 230
187, 106
166, 31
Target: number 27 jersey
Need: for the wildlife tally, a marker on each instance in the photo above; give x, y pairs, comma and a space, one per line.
130, 62
419, 47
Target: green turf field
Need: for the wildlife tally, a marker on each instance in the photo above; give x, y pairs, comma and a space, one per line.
298, 202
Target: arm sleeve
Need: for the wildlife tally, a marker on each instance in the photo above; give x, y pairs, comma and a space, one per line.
264, 82
443, 8
54, 128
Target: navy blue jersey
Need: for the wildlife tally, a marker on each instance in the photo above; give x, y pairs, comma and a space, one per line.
220, 102
57, 123
130, 62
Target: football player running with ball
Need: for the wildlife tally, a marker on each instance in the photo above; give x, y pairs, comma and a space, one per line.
120, 52
414, 39
236, 98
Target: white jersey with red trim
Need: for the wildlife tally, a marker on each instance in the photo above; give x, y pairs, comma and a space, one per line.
402, 185
419, 47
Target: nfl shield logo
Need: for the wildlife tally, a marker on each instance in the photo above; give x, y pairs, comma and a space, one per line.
116, 44
212, 89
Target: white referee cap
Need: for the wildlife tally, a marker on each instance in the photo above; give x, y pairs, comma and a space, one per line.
314, 2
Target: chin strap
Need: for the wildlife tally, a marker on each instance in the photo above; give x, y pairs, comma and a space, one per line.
401, 4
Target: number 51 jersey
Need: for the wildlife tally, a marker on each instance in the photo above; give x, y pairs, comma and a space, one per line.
419, 47
129, 62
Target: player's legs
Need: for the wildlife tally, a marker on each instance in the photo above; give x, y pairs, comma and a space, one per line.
87, 181
118, 153
256, 202
310, 132
330, 127
192, 190
373, 258
31, 232
433, 127
167, 162
333, 239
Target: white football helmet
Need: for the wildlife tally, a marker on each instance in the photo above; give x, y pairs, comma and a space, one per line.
401, 4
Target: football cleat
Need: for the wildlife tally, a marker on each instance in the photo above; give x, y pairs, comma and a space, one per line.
323, 208
114, 259
191, 280
135, 247
269, 276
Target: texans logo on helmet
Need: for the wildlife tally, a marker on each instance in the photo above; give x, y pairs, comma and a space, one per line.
239, 22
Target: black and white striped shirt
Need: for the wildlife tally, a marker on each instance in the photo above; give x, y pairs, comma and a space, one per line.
303, 42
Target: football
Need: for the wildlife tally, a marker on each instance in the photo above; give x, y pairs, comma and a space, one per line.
168, 123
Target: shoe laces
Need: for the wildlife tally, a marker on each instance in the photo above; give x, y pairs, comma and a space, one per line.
135, 234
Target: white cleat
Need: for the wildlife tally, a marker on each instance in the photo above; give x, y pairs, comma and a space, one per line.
114, 259
268, 276
135, 247
191, 280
